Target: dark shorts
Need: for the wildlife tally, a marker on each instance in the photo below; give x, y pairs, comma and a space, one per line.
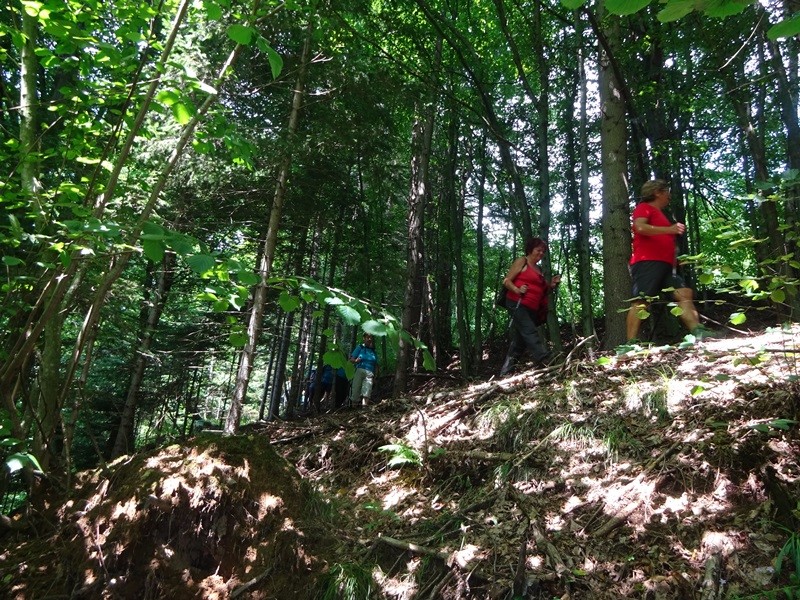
651, 277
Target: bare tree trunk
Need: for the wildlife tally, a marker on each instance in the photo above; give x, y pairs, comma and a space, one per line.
616, 211
584, 225
265, 266
28, 104
454, 205
479, 252
155, 302
421, 135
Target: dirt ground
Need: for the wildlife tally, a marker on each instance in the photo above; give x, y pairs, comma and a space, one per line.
665, 473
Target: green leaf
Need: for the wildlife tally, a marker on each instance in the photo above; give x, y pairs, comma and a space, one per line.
200, 263
152, 231
20, 460
241, 34
247, 277
375, 328
288, 302
676, 311
738, 318
726, 8
154, 250
572, 4
12, 261
237, 339
697, 390
349, 314
428, 362
275, 62
604, 360
783, 424
778, 296
335, 358
706, 278
213, 11
625, 7
183, 112
675, 9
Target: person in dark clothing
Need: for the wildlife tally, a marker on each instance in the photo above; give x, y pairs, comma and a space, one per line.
527, 300
341, 388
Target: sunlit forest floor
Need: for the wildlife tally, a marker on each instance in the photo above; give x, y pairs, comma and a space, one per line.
669, 473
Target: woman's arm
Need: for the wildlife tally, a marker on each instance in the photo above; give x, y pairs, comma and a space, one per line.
516, 269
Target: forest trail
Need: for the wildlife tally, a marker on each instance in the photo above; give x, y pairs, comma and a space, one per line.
671, 473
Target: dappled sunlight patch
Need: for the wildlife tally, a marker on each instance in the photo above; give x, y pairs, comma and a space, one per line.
268, 503
402, 586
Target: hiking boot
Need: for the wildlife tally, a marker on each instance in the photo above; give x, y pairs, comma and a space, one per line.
550, 360
508, 365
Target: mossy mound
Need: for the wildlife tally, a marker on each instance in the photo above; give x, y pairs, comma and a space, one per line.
216, 517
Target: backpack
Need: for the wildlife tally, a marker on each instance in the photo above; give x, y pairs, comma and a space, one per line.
500, 299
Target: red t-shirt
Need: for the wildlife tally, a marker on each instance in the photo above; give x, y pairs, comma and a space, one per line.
659, 247
536, 296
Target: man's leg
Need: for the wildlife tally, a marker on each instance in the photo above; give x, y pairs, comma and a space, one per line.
689, 316
633, 322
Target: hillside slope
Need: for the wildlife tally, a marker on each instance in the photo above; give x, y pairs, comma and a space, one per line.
663, 474
670, 473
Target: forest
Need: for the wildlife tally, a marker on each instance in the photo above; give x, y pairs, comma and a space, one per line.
207, 203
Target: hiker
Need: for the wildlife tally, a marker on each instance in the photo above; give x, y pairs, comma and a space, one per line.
341, 387
366, 360
654, 261
527, 301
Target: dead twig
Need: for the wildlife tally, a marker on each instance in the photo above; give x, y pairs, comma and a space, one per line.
252, 583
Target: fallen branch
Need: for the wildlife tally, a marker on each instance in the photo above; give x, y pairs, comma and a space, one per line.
713, 572
250, 584
483, 455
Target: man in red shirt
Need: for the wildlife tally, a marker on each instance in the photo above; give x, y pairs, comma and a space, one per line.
654, 260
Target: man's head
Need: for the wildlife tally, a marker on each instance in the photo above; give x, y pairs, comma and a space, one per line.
653, 188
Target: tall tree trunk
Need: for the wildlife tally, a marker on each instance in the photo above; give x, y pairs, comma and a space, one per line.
480, 243
28, 104
421, 135
234, 418
584, 224
454, 203
154, 303
616, 213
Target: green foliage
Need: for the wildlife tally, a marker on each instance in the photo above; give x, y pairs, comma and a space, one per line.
351, 310
775, 424
790, 551
13, 453
571, 432
402, 455
346, 581
618, 438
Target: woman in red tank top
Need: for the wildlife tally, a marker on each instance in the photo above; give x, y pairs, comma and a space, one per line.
527, 300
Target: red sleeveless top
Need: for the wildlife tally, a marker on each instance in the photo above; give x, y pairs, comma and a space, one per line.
536, 296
